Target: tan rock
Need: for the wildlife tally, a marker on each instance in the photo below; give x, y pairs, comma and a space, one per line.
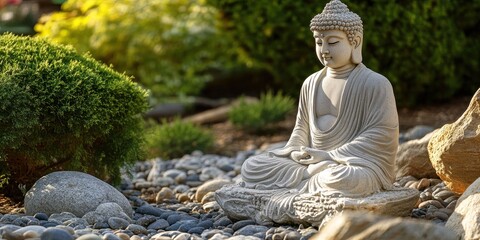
412, 159
365, 226
210, 186
164, 194
465, 220
454, 149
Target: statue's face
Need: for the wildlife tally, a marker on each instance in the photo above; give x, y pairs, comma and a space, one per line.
333, 48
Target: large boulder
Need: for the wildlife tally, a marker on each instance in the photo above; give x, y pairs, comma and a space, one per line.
454, 149
75, 192
465, 220
365, 226
412, 159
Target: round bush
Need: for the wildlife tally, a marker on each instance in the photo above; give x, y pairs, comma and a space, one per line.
64, 111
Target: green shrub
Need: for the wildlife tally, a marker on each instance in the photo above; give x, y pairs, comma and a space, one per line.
428, 49
170, 46
64, 111
257, 116
177, 138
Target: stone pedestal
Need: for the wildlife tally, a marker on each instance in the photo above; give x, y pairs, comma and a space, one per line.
310, 209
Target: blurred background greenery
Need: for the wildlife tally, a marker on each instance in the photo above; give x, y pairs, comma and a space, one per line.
428, 49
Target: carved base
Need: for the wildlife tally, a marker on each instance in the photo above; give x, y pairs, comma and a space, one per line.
310, 209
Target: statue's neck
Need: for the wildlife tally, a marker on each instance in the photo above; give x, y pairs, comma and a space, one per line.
341, 72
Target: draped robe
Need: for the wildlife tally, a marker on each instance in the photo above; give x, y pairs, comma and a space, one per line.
361, 144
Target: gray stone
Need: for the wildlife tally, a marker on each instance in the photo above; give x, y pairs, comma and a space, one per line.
224, 221
251, 230
111, 236
240, 224
41, 216
172, 173
69, 191
159, 224
150, 210
117, 223
8, 218
105, 211
137, 229
146, 220
56, 234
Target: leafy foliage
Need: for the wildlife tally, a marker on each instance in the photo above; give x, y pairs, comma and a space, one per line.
177, 138
64, 111
258, 115
170, 46
428, 49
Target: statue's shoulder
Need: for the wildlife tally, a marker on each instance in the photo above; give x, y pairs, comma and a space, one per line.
375, 80
312, 78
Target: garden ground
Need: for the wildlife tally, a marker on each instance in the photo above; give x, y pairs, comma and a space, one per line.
229, 140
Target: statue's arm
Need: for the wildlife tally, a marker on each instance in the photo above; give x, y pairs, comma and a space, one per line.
301, 132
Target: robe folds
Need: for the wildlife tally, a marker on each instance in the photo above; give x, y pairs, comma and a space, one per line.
361, 144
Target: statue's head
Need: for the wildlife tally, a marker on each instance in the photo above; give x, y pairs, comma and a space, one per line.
340, 29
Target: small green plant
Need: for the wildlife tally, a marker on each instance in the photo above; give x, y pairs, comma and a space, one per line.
177, 138
64, 111
257, 116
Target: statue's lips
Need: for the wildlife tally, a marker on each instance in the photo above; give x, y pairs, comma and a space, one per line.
327, 58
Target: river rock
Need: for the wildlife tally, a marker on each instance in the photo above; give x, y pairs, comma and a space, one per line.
210, 186
364, 226
412, 159
465, 220
75, 192
454, 150
104, 212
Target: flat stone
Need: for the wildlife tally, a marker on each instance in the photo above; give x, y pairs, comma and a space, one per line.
241, 203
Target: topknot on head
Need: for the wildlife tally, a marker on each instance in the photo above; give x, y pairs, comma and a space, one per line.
337, 16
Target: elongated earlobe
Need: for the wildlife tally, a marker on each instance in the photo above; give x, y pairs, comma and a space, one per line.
357, 50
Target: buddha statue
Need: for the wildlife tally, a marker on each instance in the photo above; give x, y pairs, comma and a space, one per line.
346, 133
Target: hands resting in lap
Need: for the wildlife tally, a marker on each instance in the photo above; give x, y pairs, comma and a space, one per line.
317, 160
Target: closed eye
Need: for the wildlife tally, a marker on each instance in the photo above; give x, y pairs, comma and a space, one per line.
333, 43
